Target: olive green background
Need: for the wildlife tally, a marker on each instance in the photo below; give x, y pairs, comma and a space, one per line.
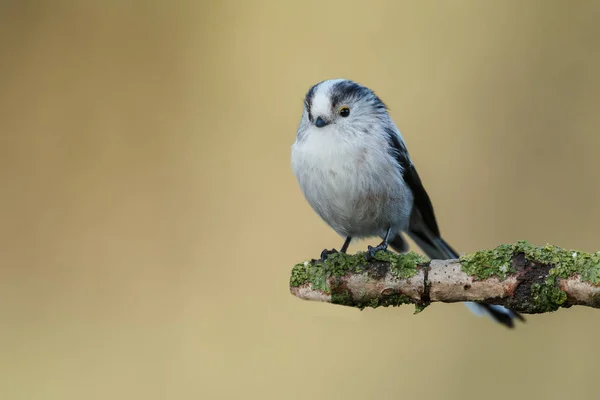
149, 217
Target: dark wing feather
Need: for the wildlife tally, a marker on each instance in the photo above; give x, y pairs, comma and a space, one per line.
423, 227
422, 203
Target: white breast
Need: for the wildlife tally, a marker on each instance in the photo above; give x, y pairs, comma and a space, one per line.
354, 185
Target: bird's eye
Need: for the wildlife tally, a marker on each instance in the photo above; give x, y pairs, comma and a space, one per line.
344, 111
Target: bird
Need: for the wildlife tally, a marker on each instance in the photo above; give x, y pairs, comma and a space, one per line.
353, 167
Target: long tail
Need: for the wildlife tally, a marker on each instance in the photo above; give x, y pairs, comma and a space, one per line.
436, 248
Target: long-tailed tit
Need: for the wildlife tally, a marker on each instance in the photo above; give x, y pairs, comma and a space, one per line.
354, 169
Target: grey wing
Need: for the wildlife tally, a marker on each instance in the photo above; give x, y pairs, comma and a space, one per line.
423, 227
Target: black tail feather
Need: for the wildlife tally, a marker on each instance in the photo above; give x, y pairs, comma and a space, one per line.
502, 317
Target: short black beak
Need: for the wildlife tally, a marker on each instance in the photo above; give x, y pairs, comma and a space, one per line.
320, 122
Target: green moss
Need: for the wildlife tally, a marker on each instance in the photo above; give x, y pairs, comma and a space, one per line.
342, 297
338, 264
308, 272
547, 296
402, 266
395, 300
299, 274
565, 263
391, 300
486, 263
316, 273
420, 307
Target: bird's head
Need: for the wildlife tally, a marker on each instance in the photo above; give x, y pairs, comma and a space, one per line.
342, 104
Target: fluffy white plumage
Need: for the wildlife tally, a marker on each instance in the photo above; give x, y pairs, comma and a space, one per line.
351, 183
356, 173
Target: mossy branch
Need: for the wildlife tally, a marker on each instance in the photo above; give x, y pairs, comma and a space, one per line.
522, 277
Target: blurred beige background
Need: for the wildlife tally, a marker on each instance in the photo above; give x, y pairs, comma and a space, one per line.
150, 218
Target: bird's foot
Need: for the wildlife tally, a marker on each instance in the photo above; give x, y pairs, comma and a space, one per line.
370, 254
326, 253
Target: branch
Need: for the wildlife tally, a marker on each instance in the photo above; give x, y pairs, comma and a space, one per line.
520, 276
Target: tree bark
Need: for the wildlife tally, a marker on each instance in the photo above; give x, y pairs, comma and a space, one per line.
522, 277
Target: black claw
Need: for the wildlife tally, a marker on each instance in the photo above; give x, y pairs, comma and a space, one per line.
326, 252
371, 251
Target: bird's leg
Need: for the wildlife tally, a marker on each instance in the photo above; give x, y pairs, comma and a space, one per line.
382, 246
326, 252
346, 244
